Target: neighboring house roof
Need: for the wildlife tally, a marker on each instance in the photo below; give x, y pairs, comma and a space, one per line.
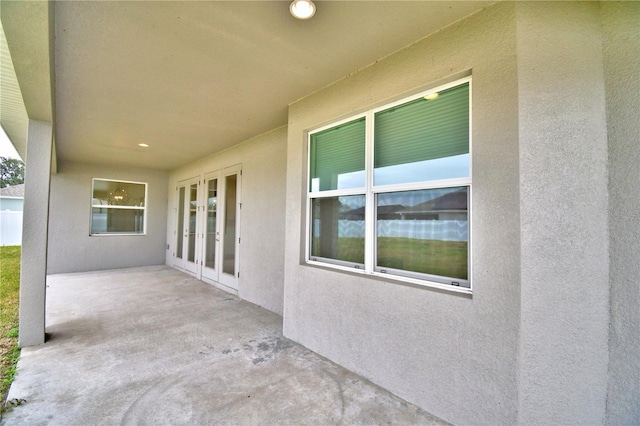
15, 191
451, 201
358, 214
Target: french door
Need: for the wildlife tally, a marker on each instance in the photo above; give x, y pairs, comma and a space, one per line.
209, 221
222, 227
186, 254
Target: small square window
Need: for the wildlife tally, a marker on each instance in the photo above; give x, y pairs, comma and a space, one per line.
118, 207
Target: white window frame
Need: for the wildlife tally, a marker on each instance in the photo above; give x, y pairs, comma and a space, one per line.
100, 206
370, 191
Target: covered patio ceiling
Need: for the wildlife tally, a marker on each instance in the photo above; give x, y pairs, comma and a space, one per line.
193, 78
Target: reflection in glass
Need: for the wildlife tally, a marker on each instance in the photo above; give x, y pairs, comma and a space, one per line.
338, 228
229, 241
119, 221
180, 226
212, 202
456, 166
425, 231
114, 193
117, 207
193, 200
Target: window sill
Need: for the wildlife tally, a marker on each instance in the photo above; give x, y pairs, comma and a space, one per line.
392, 279
125, 234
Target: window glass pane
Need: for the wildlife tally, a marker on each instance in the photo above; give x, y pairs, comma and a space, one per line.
114, 193
212, 204
121, 221
425, 231
229, 241
338, 228
425, 139
193, 207
180, 226
337, 157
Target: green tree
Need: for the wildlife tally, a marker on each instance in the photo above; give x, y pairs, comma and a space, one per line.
11, 172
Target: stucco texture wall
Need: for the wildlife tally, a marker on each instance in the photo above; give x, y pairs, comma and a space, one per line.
453, 355
72, 249
261, 255
563, 212
621, 48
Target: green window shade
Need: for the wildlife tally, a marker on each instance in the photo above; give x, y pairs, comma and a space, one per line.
337, 157
424, 130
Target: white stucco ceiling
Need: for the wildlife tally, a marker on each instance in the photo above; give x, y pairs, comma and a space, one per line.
193, 78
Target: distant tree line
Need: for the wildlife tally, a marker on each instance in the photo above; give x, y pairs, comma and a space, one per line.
11, 172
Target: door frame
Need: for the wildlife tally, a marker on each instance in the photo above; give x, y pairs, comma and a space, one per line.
198, 269
224, 278
182, 262
210, 275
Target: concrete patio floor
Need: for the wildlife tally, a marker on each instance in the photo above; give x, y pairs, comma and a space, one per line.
153, 346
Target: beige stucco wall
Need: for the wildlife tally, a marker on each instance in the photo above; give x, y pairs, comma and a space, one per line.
72, 249
263, 160
621, 46
451, 354
555, 94
564, 272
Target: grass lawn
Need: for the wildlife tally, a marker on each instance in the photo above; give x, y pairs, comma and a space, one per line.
444, 258
9, 292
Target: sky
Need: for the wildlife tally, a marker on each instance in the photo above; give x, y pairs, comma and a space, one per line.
6, 147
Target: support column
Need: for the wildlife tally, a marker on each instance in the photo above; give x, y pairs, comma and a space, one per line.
621, 25
563, 347
34, 233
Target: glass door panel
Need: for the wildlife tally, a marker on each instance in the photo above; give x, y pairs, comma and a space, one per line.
179, 237
212, 204
211, 224
229, 265
187, 248
229, 226
193, 212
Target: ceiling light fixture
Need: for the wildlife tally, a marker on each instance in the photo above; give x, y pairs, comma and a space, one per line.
432, 96
118, 197
302, 9
144, 145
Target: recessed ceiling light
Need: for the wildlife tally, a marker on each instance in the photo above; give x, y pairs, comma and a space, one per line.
432, 96
302, 9
144, 145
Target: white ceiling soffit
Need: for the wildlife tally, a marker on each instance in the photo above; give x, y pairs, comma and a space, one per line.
13, 115
193, 78
27, 26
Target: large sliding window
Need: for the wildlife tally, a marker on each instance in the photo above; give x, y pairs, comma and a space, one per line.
118, 207
389, 190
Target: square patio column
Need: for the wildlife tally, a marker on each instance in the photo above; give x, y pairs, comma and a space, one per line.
34, 233
564, 319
